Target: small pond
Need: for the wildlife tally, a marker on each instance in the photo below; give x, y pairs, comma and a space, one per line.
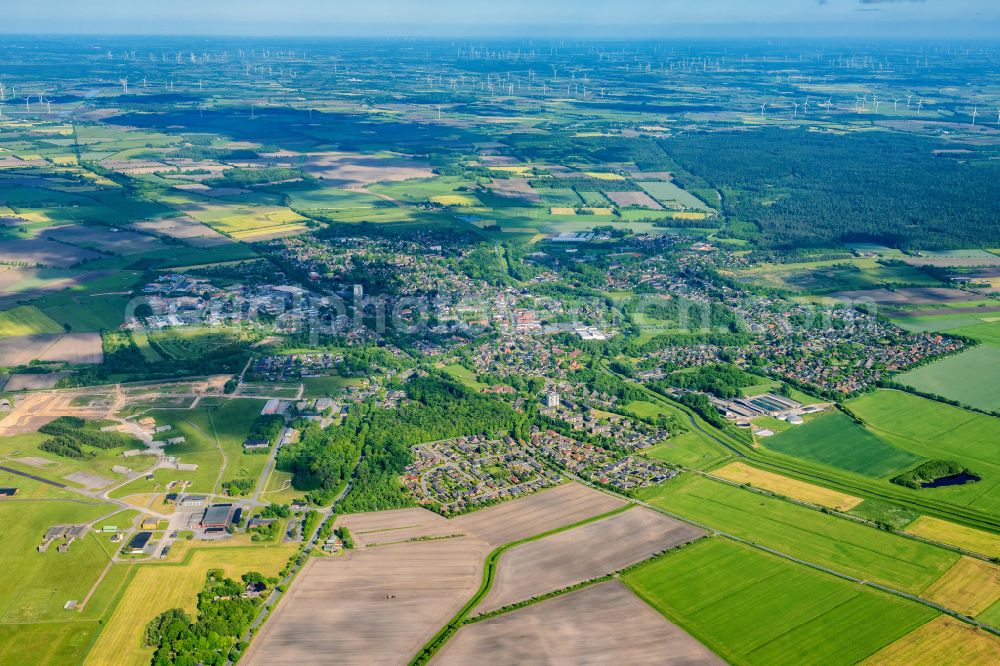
952, 480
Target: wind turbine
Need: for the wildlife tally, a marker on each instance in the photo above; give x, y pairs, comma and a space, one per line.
920, 106
975, 113
27, 102
3, 91
998, 116
762, 107
908, 98
795, 109
124, 84
895, 103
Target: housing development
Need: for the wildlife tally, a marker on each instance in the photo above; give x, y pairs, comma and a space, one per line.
513, 351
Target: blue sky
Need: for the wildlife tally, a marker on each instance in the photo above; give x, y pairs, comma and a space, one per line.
585, 18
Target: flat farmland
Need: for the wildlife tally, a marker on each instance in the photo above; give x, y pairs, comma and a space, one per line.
857, 550
937, 430
602, 623
26, 320
944, 640
372, 606
834, 439
184, 229
32, 252
971, 378
157, 587
641, 199
782, 485
756, 608
66, 347
667, 191
970, 587
907, 296
388, 527
582, 553
354, 169
539, 512
104, 239
969, 538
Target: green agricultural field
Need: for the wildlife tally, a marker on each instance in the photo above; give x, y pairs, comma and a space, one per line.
987, 332
972, 377
936, 430
844, 546
26, 320
755, 608
834, 439
560, 198
422, 189
665, 191
837, 275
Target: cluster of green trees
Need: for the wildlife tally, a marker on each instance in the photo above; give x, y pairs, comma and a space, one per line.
246, 177
721, 380
440, 409
932, 470
323, 460
803, 188
224, 615
238, 487
267, 426
71, 439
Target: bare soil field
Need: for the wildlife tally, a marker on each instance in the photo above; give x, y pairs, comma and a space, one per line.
516, 188
380, 603
626, 199
582, 553
36, 251
185, 229
534, 514
68, 347
114, 242
372, 606
385, 527
604, 624
34, 382
911, 296
351, 169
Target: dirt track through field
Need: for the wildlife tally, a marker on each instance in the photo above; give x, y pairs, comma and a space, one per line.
373, 606
337, 611
537, 513
582, 553
601, 624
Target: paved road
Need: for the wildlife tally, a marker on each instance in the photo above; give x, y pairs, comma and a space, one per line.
33, 477
286, 582
269, 465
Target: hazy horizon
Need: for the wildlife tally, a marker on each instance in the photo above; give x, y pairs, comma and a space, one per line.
883, 19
